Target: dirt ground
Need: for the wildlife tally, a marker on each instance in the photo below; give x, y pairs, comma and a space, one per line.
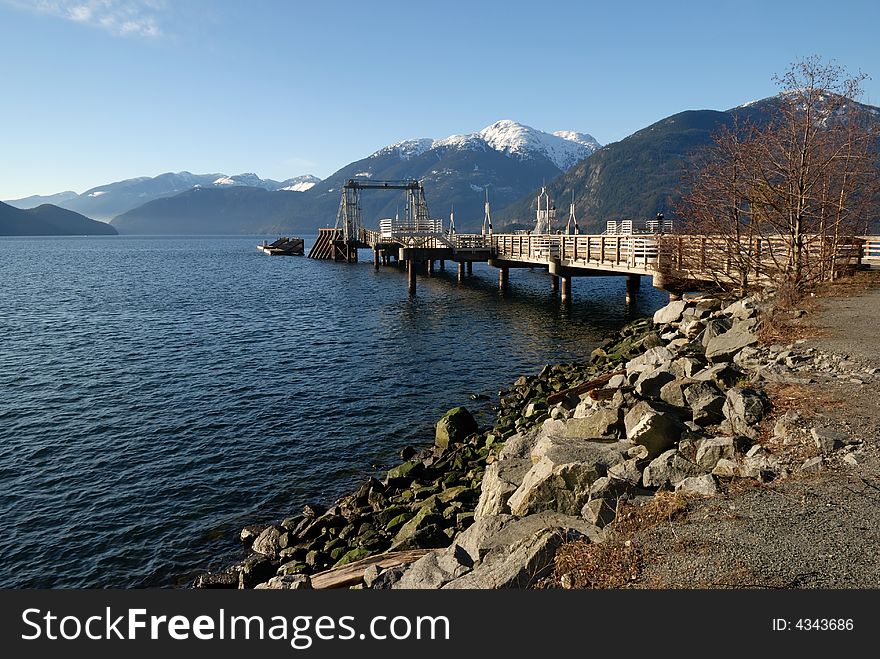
802, 531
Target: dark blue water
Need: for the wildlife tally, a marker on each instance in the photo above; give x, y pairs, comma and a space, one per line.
156, 394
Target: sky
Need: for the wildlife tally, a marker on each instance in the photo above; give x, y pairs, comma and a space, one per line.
95, 91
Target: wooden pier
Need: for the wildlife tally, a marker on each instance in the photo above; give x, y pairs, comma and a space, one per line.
674, 262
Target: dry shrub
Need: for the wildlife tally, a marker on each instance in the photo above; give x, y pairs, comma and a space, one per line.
618, 561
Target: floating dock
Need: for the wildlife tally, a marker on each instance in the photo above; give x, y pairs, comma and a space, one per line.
283, 247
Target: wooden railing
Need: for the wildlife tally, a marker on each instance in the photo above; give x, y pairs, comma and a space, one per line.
871, 250
630, 251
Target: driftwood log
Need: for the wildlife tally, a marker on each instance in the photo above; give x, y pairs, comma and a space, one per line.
353, 573
583, 387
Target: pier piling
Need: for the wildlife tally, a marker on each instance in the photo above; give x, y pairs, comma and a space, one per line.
503, 278
632, 288
412, 266
566, 289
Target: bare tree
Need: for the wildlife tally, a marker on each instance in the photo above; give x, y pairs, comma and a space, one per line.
781, 202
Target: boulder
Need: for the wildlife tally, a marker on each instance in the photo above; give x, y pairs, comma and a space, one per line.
724, 374
686, 367
269, 542
252, 531
706, 402
435, 569
724, 347
648, 360
255, 569
669, 468
627, 471
744, 408
671, 313
725, 468
828, 439
704, 485
652, 426
715, 327
419, 531
288, 582
561, 480
500, 481
454, 426
600, 423
711, 451
672, 393
599, 512
516, 553
404, 472
650, 382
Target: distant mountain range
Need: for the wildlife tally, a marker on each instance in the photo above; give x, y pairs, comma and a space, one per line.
507, 158
636, 178
48, 220
641, 175
107, 201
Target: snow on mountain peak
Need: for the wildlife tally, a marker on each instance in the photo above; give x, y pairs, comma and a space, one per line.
563, 148
300, 183
408, 148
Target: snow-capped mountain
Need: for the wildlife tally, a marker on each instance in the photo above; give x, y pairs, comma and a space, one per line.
299, 183
507, 158
563, 148
105, 202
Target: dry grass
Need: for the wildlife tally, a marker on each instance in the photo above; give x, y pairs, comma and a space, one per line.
619, 560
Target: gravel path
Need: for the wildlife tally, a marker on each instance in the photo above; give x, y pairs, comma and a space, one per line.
815, 531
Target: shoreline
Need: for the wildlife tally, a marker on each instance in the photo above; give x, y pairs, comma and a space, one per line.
675, 405
458, 468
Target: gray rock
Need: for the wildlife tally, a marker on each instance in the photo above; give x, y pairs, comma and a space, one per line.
686, 367
419, 530
269, 542
287, 582
786, 427
743, 409
515, 553
500, 481
371, 574
601, 423
671, 313
653, 427
436, 569
454, 426
704, 485
706, 402
726, 468
715, 327
692, 329
724, 375
672, 393
561, 480
828, 439
627, 471
617, 381
669, 468
711, 451
599, 512
724, 347
650, 382
855, 459
649, 359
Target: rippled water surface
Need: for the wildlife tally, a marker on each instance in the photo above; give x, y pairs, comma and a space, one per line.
156, 394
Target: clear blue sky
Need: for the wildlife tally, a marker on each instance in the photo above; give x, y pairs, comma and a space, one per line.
95, 91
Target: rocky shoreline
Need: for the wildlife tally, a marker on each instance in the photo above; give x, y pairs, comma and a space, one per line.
671, 403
